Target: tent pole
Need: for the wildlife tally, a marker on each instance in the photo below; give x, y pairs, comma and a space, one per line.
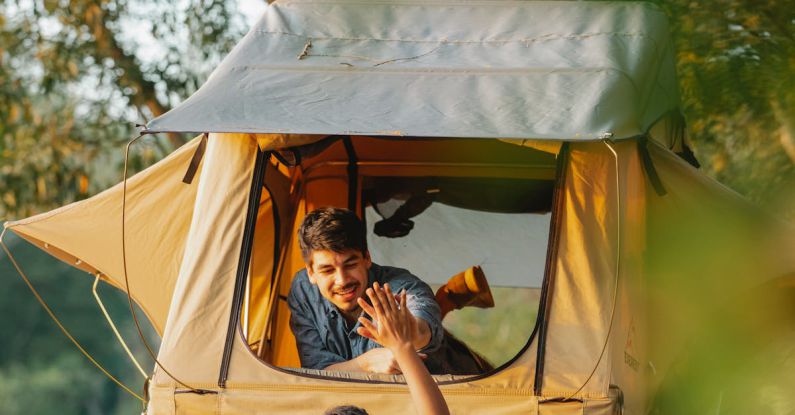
127, 280
113, 326
59, 324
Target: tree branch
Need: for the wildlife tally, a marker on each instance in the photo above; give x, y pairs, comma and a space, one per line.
144, 94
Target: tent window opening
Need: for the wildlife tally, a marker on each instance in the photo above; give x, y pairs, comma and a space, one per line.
480, 243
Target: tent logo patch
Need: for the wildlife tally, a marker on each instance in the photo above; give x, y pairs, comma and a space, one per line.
629, 349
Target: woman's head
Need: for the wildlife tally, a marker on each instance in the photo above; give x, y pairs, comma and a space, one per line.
346, 410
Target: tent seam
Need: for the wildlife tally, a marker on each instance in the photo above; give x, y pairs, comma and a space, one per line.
526, 41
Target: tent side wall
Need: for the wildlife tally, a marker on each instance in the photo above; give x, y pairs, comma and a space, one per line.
87, 234
603, 195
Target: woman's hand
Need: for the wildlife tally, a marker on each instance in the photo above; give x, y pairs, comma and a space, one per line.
394, 330
393, 325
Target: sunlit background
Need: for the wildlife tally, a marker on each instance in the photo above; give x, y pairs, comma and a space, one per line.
77, 76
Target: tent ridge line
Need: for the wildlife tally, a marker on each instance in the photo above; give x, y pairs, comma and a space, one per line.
45, 215
526, 40
395, 388
505, 3
591, 137
416, 70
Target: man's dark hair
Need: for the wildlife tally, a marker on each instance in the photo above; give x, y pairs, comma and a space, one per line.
331, 229
346, 410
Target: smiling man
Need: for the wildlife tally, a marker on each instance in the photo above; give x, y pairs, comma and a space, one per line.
323, 301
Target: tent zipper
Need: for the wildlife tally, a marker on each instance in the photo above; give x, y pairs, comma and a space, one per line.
243, 263
552, 254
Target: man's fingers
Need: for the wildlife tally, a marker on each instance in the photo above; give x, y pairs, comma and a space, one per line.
379, 292
373, 294
366, 333
390, 299
368, 329
366, 307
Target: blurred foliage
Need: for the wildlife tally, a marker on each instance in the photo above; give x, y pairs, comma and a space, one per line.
41, 372
736, 66
75, 77
721, 342
741, 362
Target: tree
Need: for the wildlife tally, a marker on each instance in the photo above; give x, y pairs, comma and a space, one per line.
77, 75
736, 64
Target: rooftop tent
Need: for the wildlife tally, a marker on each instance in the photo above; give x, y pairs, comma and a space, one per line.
305, 112
541, 70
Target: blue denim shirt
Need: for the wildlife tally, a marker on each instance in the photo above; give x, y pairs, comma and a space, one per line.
324, 337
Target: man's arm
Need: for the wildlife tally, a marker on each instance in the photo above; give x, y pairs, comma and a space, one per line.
378, 360
422, 335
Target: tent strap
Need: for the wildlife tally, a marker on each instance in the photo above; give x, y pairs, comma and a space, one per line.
193, 167
60, 325
353, 173
648, 166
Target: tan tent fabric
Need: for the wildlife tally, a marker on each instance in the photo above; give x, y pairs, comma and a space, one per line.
198, 316
87, 234
546, 146
584, 277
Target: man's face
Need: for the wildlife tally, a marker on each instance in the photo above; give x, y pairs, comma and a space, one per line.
341, 277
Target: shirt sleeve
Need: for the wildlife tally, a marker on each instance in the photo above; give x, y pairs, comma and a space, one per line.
422, 304
311, 345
